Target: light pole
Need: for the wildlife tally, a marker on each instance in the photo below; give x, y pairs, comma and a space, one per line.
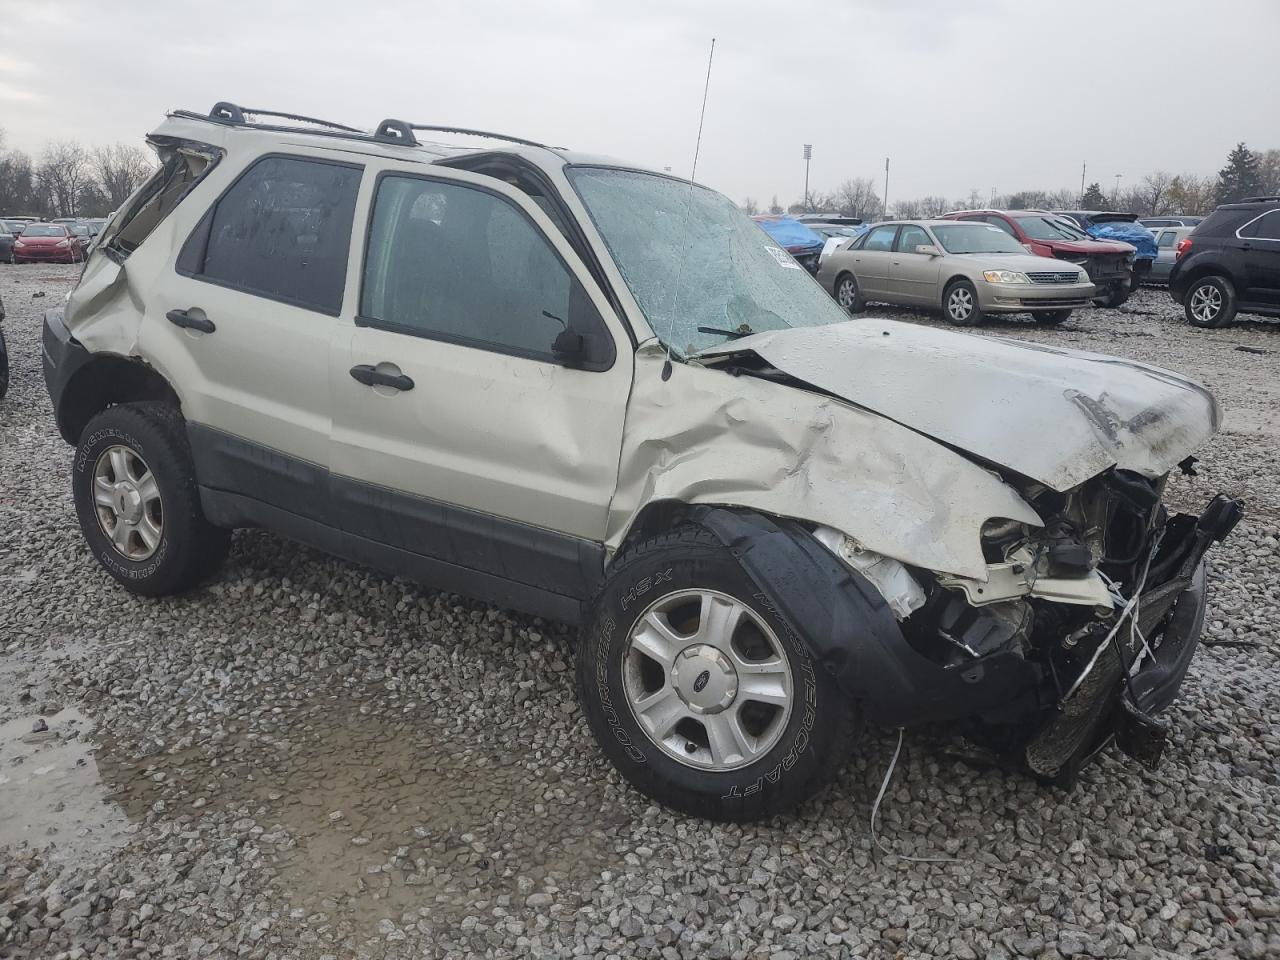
1115, 197
1083, 167
885, 214
808, 155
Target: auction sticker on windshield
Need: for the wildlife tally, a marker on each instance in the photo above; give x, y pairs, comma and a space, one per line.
783, 258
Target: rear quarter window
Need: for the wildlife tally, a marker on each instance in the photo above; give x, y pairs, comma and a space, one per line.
182, 167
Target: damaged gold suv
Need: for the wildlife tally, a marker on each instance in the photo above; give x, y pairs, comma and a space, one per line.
599, 394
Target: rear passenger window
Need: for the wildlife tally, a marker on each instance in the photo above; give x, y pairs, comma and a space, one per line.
461, 264
1267, 227
1168, 238
281, 231
881, 238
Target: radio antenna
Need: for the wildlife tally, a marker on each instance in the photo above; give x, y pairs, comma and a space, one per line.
697, 146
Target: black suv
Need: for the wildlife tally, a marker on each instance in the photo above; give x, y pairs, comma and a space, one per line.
1231, 262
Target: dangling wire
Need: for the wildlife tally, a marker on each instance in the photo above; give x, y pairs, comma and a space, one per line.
675, 296
876, 842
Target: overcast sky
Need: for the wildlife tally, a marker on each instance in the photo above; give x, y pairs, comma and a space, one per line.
962, 95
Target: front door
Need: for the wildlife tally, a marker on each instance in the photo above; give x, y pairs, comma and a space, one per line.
459, 432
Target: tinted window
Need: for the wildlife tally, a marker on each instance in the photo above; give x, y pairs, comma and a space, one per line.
463, 264
1265, 228
912, 237
880, 238
281, 231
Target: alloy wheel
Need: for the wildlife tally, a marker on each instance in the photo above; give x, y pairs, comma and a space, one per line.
707, 680
127, 498
1206, 303
960, 304
846, 293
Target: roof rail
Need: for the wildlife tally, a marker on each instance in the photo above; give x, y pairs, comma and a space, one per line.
231, 113
1257, 199
477, 133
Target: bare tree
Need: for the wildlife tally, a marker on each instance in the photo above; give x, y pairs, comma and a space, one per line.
775, 207
934, 206
908, 209
64, 173
857, 198
1269, 172
1191, 194
120, 170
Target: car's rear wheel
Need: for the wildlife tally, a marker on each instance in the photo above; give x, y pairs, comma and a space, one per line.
699, 693
136, 498
847, 293
960, 304
1050, 318
1210, 303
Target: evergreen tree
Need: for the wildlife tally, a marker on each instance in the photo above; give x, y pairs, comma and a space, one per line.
1239, 178
1093, 198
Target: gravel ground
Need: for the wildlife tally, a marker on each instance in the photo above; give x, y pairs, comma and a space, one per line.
306, 759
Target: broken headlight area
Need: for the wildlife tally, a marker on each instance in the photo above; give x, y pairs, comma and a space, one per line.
1082, 631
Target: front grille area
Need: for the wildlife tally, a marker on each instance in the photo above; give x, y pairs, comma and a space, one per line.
1054, 276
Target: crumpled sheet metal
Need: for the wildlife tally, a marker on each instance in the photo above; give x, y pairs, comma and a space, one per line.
707, 437
1057, 416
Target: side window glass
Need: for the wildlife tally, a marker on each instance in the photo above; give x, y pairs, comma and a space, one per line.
1266, 228
1002, 224
281, 231
462, 264
881, 238
910, 238
1168, 238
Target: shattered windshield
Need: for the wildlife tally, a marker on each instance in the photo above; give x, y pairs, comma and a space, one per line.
692, 259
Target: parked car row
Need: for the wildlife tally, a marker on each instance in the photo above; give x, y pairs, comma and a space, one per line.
64, 240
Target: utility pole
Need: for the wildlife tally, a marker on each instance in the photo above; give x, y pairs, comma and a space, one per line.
808, 155
885, 214
1115, 197
1083, 167
993, 196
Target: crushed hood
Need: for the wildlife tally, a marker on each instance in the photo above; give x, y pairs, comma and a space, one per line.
1056, 416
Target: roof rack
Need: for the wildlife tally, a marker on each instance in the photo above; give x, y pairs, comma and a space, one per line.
1257, 199
230, 113
388, 131
398, 131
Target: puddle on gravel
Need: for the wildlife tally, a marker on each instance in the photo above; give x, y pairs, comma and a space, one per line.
392, 815
51, 794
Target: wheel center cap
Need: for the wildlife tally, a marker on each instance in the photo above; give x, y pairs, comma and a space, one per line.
128, 502
704, 678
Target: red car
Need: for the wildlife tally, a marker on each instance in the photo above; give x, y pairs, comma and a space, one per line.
1108, 262
47, 243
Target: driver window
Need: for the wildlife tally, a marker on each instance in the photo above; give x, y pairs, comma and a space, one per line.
912, 237
458, 263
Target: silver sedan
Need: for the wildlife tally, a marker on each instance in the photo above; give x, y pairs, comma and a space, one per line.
964, 269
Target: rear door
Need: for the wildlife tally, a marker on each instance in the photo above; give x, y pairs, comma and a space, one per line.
871, 261
459, 433
246, 313
1259, 245
913, 277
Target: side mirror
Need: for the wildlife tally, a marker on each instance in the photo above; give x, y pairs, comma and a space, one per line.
569, 345
929, 250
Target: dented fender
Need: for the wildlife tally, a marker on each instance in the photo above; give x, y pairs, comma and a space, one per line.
706, 437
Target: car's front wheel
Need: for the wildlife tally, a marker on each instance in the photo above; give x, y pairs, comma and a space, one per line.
136, 498
1116, 295
847, 293
697, 690
960, 304
1210, 302
1050, 318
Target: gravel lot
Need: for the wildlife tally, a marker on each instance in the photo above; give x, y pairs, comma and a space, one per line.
306, 759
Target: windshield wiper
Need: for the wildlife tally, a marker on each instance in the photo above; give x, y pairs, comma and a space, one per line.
743, 331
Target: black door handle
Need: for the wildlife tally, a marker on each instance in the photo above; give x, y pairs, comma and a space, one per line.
371, 376
181, 318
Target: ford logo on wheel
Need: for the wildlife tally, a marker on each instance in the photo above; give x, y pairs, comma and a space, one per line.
700, 681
